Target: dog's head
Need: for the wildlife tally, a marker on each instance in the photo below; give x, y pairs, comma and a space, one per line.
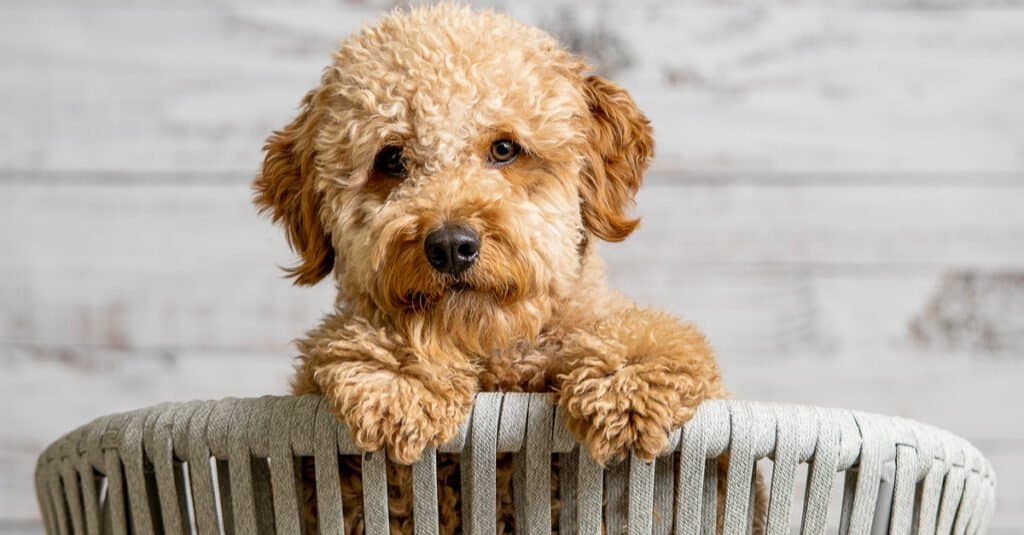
454, 160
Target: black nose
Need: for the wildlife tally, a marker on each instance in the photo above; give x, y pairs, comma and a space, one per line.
452, 248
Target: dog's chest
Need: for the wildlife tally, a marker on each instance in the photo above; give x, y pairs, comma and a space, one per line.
519, 369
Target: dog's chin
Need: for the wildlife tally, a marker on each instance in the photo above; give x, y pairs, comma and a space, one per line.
459, 287
477, 315
462, 294
459, 294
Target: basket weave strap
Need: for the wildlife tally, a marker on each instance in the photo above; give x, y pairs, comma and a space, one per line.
237, 465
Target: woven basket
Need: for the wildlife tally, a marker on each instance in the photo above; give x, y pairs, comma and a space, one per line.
150, 471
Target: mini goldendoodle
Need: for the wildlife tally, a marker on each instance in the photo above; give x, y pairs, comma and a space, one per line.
453, 172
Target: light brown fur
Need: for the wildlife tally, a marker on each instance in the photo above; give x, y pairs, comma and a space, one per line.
407, 347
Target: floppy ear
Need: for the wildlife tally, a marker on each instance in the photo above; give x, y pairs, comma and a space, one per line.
286, 188
620, 146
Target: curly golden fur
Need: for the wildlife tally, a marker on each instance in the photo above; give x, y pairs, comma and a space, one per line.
408, 346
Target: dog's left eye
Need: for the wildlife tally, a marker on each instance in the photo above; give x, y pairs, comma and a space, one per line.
504, 151
389, 161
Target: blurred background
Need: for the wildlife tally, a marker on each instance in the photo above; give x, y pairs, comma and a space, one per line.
837, 200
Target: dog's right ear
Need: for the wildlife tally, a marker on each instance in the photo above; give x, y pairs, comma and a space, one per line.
286, 188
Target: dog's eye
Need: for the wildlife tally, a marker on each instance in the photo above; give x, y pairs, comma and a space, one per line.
389, 161
504, 151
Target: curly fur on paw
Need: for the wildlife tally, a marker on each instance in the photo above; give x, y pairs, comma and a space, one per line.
628, 409
395, 412
631, 379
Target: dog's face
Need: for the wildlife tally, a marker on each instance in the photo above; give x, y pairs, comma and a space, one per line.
450, 169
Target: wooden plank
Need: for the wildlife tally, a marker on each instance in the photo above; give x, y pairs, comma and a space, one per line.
901, 226
752, 316
949, 390
747, 316
729, 87
164, 267
124, 266
156, 88
817, 89
974, 311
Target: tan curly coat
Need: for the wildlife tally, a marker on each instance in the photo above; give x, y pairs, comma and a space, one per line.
407, 346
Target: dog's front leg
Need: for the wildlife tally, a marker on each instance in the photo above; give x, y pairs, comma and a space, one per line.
390, 393
630, 377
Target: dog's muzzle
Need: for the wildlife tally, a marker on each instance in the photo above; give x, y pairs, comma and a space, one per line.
452, 249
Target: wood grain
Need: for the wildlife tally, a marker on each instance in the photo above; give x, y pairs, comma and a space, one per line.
973, 312
161, 266
772, 87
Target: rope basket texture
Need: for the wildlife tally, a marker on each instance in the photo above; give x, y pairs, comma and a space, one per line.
230, 466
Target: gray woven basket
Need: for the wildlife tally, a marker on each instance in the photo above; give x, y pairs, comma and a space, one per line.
150, 471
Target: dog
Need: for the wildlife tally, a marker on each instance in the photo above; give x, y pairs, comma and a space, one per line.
453, 172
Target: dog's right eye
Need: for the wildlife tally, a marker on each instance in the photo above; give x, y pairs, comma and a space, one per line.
389, 161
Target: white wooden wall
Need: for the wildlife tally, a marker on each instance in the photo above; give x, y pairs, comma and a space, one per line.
838, 199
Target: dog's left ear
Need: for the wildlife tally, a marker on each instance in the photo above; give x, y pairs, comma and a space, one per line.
286, 188
620, 146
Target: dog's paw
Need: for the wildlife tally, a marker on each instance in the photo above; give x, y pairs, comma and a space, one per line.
631, 409
401, 414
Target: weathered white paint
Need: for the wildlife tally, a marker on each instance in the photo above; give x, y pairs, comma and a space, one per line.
742, 86
157, 266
